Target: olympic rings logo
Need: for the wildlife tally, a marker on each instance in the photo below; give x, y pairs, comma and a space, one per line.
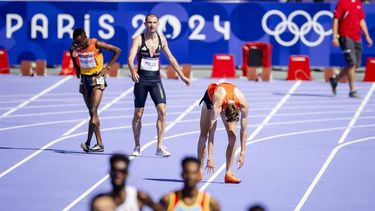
298, 32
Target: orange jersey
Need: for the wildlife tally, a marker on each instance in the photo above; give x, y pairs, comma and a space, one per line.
229, 89
90, 59
177, 204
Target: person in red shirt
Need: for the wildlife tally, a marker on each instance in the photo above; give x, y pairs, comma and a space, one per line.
348, 21
226, 100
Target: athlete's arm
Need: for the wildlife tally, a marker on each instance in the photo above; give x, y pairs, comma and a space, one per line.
172, 60
133, 52
364, 29
73, 57
335, 38
214, 205
145, 199
164, 202
116, 53
243, 132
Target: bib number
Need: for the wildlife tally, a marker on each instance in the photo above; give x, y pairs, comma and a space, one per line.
150, 64
100, 80
87, 62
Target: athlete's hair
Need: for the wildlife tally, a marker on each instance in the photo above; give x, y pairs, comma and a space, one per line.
98, 196
232, 113
257, 207
150, 15
77, 32
119, 157
188, 160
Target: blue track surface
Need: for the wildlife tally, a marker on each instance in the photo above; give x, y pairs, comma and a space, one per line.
307, 149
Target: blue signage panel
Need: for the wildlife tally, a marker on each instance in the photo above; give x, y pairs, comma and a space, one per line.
195, 31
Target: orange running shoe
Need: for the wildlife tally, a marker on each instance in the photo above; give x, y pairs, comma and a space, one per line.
230, 178
200, 176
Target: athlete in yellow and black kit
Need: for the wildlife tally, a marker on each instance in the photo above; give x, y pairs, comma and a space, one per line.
189, 198
88, 59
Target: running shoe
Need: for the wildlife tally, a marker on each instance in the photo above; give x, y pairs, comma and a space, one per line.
97, 148
85, 147
162, 151
230, 178
333, 83
136, 152
353, 94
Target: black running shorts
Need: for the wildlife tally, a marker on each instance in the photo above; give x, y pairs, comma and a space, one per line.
155, 89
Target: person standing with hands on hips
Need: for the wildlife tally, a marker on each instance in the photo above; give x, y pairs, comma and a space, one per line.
348, 21
147, 47
91, 70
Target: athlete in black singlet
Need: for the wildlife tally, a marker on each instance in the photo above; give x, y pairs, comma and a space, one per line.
147, 48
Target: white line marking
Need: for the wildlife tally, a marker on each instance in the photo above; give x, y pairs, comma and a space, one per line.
144, 147
39, 124
36, 96
37, 152
130, 90
57, 140
356, 115
257, 130
197, 132
324, 168
331, 156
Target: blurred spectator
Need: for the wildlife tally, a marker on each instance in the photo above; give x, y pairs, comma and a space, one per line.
126, 197
189, 197
103, 202
257, 207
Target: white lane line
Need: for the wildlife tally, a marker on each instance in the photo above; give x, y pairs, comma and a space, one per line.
130, 90
197, 132
357, 114
331, 156
256, 131
324, 168
40, 124
56, 140
37, 152
144, 147
36, 96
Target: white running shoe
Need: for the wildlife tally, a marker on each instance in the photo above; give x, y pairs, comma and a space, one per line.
85, 147
97, 148
136, 152
162, 151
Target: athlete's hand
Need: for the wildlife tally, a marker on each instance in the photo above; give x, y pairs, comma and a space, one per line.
187, 81
210, 167
335, 42
103, 72
135, 77
240, 161
369, 41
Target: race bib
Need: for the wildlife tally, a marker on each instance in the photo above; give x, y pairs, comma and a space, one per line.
150, 64
100, 80
87, 62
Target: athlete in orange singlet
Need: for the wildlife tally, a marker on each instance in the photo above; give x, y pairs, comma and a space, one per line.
228, 101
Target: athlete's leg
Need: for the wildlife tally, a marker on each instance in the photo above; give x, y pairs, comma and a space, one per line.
94, 125
160, 124
140, 96
86, 90
157, 94
137, 125
204, 128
